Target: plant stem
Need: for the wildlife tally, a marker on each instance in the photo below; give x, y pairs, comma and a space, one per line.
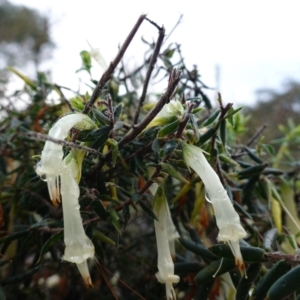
108, 73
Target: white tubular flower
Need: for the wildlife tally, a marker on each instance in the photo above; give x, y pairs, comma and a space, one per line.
51, 163
228, 221
170, 227
165, 263
52, 167
98, 57
170, 112
78, 246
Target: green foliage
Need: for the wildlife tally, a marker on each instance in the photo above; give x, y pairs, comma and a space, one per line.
118, 170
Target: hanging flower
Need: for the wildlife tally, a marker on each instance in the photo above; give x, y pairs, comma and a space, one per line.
170, 227
227, 219
165, 263
62, 176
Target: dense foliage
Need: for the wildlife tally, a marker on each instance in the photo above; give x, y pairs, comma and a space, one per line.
124, 157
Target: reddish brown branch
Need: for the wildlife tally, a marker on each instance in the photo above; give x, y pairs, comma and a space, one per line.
107, 74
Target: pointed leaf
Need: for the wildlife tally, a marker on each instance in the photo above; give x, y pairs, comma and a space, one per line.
118, 111
170, 146
212, 118
168, 129
195, 127
103, 238
148, 210
115, 220
223, 132
173, 172
245, 283
285, 285
215, 269
250, 254
198, 249
56, 237
277, 271
99, 209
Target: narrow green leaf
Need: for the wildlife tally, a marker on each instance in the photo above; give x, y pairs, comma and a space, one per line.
168, 129
270, 149
54, 238
118, 111
212, 118
232, 112
277, 271
20, 277
101, 136
168, 52
207, 135
99, 209
195, 127
26, 79
198, 249
155, 146
103, 238
14, 236
223, 132
272, 171
148, 210
226, 159
115, 219
285, 285
245, 283
101, 118
170, 146
253, 156
250, 254
173, 172
215, 269
248, 172
86, 60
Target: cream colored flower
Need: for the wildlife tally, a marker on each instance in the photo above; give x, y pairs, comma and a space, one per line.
62, 176
172, 232
227, 219
165, 263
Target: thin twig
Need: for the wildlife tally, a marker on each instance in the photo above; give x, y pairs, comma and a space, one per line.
185, 119
154, 24
158, 169
43, 137
108, 73
153, 60
137, 129
165, 98
62, 96
173, 29
259, 131
256, 134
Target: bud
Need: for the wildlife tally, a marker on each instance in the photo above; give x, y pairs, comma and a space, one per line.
170, 112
